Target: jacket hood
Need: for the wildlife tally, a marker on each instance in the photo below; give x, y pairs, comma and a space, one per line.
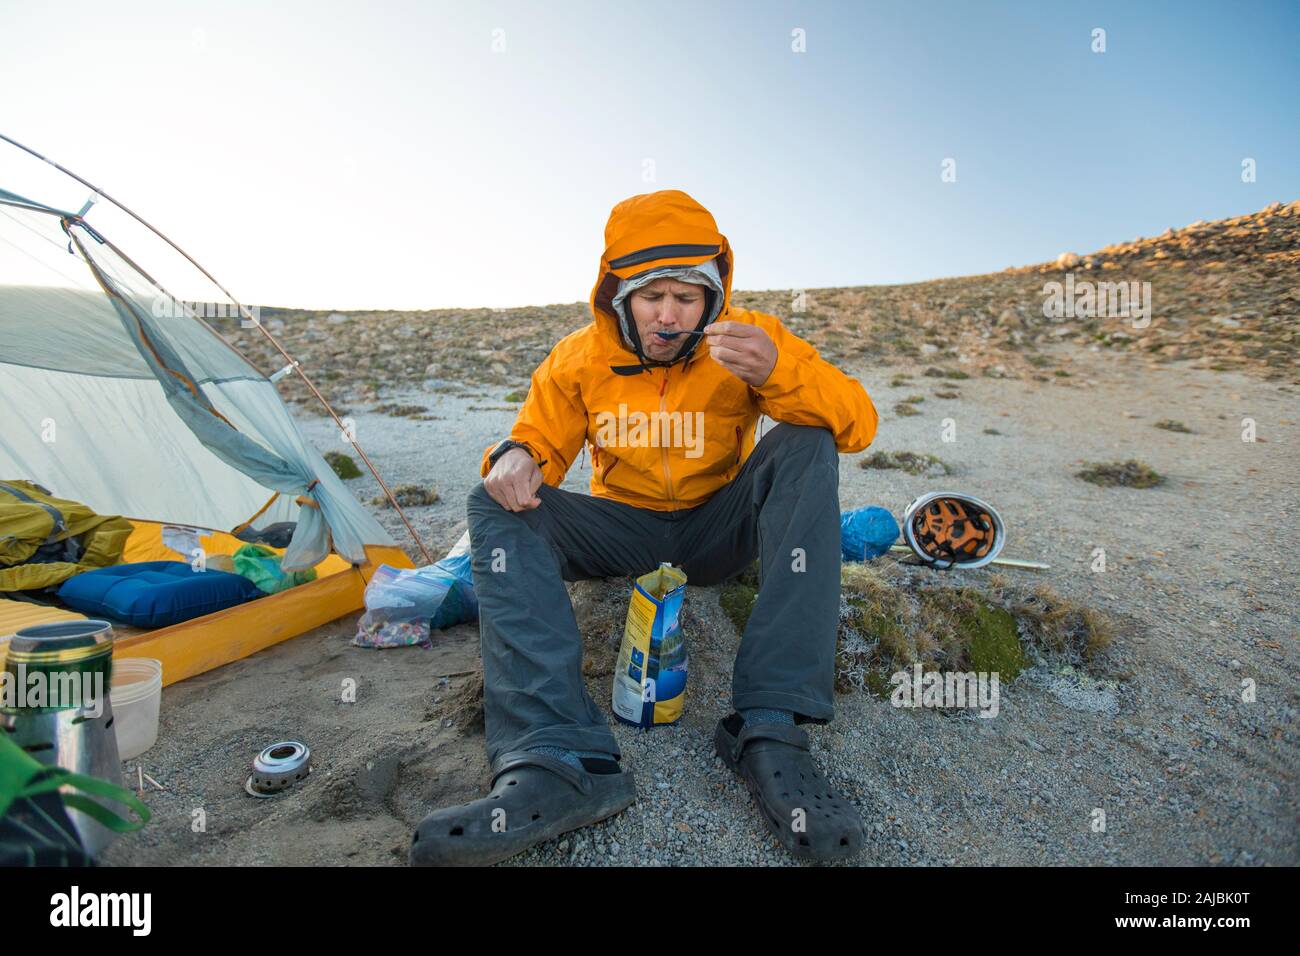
652, 235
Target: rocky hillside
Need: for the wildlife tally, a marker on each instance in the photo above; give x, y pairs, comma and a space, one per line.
1223, 295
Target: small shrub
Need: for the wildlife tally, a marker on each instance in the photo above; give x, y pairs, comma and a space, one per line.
893, 617
342, 464
1125, 474
909, 461
400, 411
409, 496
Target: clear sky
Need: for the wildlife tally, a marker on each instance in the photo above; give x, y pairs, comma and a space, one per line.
385, 155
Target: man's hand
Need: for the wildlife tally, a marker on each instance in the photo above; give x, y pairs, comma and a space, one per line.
744, 350
513, 480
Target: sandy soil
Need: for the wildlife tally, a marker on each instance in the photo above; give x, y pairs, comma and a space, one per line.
1200, 579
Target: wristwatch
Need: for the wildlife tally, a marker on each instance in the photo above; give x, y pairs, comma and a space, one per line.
504, 446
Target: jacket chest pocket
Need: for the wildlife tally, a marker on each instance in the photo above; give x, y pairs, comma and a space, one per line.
739, 450
602, 464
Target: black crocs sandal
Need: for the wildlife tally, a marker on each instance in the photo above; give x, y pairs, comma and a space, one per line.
775, 763
534, 798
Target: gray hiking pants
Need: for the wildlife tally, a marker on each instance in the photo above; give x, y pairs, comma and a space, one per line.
782, 507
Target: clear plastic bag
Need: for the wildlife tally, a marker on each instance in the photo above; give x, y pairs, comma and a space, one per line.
404, 604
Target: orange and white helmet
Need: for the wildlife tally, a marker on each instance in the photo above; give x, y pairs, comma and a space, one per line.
948, 530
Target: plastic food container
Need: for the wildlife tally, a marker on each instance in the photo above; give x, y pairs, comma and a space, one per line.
136, 692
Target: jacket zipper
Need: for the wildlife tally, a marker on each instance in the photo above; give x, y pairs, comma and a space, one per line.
740, 445
663, 452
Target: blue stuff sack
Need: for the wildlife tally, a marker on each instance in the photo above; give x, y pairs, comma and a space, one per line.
460, 604
866, 533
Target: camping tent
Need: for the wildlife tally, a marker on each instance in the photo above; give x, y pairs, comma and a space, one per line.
120, 395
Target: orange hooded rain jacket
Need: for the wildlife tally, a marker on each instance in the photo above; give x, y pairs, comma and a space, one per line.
667, 438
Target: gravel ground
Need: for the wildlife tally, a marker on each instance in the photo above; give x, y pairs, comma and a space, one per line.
1185, 771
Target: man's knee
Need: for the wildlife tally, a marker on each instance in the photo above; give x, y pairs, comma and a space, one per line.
816, 439
480, 502
480, 505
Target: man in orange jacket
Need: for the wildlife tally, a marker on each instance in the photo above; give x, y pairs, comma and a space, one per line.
666, 385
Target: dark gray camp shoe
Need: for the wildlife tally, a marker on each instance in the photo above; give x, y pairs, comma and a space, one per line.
797, 803
534, 798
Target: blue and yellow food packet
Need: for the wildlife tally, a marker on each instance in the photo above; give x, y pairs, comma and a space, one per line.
650, 676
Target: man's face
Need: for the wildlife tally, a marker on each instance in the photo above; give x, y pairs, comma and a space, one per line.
667, 305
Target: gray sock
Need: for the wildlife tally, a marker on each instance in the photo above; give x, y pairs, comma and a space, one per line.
571, 757
767, 715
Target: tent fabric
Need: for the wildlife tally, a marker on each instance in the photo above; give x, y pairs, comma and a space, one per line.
125, 399
55, 434
62, 330
14, 198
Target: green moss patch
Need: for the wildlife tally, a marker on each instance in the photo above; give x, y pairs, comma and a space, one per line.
993, 641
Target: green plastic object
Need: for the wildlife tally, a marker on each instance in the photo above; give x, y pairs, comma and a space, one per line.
34, 830
261, 565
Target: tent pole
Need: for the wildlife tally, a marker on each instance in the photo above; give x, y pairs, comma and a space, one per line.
243, 311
